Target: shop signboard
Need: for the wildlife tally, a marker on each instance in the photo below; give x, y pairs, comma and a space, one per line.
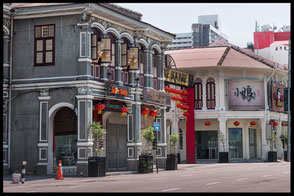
246, 95
277, 97
156, 97
113, 106
176, 77
117, 91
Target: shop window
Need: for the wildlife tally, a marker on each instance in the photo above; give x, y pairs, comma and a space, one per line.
198, 94
206, 144
210, 93
235, 143
44, 53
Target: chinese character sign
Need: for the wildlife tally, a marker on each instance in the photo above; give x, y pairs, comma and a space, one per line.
277, 97
246, 94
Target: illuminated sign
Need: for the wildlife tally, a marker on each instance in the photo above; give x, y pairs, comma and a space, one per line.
116, 91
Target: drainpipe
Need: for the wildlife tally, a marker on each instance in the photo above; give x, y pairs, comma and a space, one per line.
10, 83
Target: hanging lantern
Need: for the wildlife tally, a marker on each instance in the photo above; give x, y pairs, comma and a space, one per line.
275, 124
124, 110
99, 107
186, 114
167, 89
184, 100
236, 123
153, 113
271, 122
145, 112
253, 123
207, 123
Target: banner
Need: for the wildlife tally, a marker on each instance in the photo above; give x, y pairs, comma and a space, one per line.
277, 97
246, 95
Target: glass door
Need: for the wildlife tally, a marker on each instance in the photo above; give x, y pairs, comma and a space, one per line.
235, 143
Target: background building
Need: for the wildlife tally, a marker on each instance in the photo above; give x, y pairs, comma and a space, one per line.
204, 33
271, 44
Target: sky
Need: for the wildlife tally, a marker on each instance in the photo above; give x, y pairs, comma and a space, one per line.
237, 19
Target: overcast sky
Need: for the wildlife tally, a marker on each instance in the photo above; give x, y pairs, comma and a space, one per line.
237, 19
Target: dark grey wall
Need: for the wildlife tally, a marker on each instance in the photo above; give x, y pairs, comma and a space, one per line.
67, 50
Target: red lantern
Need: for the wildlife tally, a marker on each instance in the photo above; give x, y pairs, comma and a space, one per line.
284, 124
99, 107
253, 123
207, 123
236, 123
145, 112
275, 124
271, 122
153, 113
124, 110
186, 114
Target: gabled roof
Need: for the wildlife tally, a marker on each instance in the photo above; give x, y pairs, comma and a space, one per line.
221, 54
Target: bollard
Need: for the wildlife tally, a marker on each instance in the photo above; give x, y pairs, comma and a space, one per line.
23, 171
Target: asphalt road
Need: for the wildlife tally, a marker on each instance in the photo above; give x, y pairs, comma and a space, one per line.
219, 177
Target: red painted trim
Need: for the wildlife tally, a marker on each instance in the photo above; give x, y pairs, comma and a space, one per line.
190, 128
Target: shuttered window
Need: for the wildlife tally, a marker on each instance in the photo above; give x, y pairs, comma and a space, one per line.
44, 45
198, 94
210, 91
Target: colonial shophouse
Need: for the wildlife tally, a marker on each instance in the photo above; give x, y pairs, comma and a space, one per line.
62, 60
238, 94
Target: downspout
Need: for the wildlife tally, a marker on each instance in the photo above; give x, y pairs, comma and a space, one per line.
10, 83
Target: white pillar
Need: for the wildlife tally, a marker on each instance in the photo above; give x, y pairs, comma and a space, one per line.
204, 95
264, 148
223, 130
221, 91
280, 152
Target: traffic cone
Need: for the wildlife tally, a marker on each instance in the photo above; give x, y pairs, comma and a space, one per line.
59, 175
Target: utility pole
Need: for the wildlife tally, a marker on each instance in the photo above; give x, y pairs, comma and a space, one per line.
289, 98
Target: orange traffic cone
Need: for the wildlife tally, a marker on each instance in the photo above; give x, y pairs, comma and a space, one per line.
59, 175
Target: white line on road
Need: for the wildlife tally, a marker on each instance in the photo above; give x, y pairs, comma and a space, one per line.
186, 175
173, 189
212, 183
286, 172
240, 179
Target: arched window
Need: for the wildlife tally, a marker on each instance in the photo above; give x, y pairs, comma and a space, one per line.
95, 53
210, 93
141, 65
155, 68
111, 67
124, 59
198, 94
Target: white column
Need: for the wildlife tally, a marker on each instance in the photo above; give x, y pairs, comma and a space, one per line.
204, 95
264, 148
223, 130
280, 152
221, 91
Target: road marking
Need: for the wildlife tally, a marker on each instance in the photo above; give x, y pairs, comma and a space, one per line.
212, 183
286, 172
186, 175
240, 179
266, 175
173, 189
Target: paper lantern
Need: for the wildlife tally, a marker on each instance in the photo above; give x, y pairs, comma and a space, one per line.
124, 110
207, 123
99, 107
145, 112
236, 123
284, 124
186, 114
153, 113
275, 124
253, 123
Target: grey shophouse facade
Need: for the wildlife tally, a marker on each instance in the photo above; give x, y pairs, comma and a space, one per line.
55, 75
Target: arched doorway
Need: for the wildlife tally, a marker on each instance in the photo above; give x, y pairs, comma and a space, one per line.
65, 137
116, 143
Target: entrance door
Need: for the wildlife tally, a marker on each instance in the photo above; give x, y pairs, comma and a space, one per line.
252, 143
116, 147
235, 143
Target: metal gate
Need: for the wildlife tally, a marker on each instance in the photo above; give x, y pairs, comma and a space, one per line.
116, 147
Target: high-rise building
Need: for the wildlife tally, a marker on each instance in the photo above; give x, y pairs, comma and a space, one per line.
205, 32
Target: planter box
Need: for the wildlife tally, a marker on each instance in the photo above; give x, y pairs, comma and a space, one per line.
145, 164
172, 162
272, 156
285, 156
96, 166
223, 157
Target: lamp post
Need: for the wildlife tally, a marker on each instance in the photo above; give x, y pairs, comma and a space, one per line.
289, 109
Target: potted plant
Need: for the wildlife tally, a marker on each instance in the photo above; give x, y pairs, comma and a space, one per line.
96, 164
272, 155
146, 158
172, 157
284, 139
223, 156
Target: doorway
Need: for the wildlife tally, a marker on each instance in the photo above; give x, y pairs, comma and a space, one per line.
65, 138
252, 143
116, 147
206, 145
235, 143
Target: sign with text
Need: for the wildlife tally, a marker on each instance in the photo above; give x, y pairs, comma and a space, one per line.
113, 106
157, 97
156, 126
246, 94
116, 91
177, 77
277, 97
